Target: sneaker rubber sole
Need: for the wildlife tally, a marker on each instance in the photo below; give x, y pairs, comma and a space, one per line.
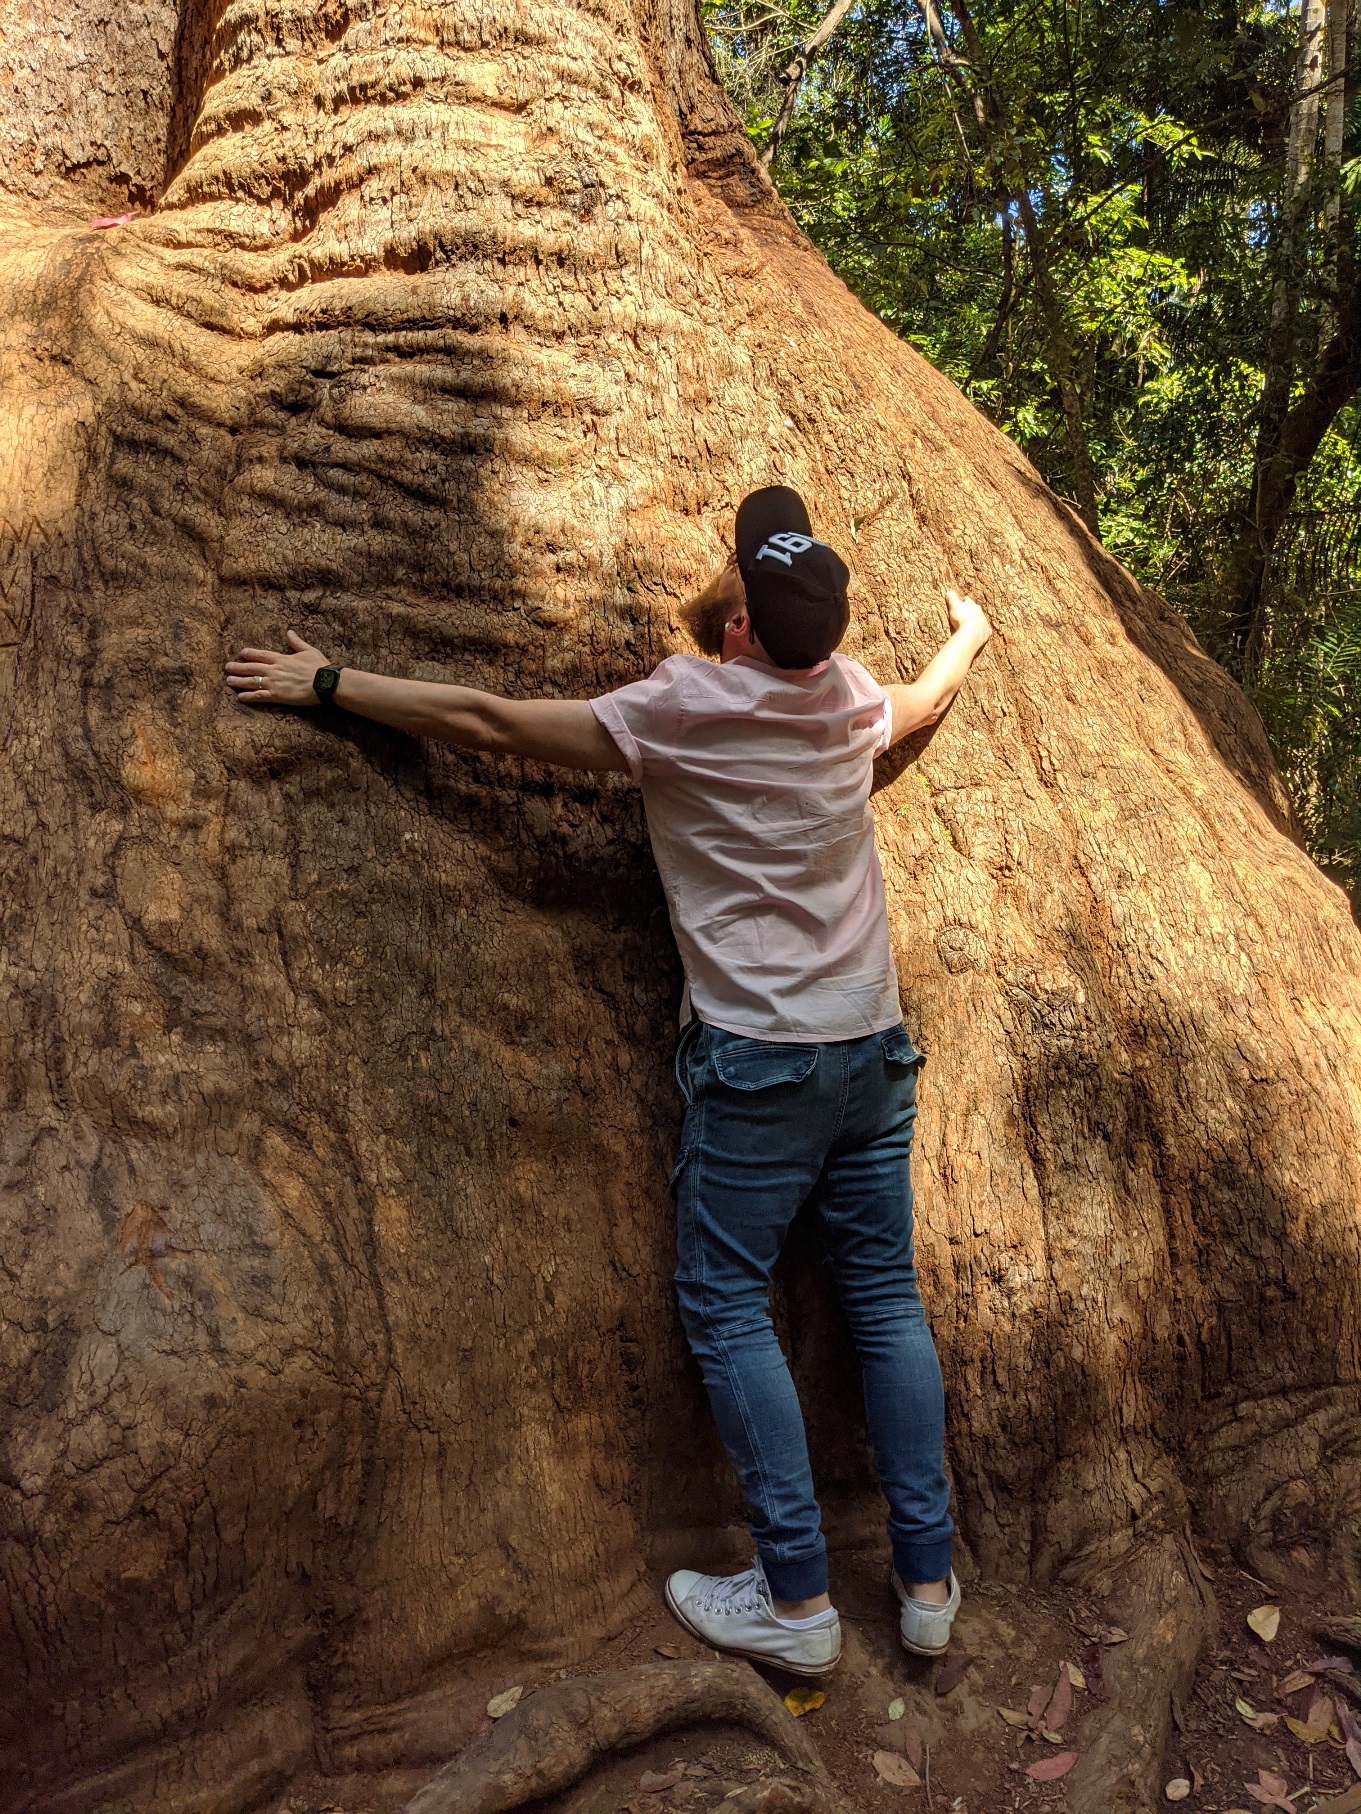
748, 1656
924, 1650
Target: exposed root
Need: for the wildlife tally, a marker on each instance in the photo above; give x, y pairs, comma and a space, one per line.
1169, 1615
552, 1739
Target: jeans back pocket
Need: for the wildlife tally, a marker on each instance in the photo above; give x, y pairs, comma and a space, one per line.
899, 1051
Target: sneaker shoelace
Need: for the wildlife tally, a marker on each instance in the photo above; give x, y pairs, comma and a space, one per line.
734, 1593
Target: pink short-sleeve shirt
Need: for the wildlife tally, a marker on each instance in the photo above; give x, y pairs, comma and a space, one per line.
756, 781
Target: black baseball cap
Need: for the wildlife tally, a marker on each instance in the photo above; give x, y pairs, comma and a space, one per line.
796, 585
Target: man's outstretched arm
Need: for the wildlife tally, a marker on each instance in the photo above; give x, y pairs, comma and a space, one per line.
923, 700
565, 731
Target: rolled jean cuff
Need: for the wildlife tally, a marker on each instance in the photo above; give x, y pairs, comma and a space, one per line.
921, 1561
801, 1580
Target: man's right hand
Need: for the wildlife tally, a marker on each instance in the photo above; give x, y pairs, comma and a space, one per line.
965, 614
923, 700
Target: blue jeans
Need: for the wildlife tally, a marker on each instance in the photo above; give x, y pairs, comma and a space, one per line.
766, 1127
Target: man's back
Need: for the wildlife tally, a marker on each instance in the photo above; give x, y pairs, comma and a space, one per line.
756, 782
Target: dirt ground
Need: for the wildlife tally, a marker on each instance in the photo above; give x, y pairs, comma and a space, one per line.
969, 1758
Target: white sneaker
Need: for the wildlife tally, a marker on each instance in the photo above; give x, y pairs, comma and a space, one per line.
734, 1613
925, 1628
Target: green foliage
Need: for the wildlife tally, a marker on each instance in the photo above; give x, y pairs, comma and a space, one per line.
1149, 136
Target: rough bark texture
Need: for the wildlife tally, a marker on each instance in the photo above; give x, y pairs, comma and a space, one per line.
337, 1335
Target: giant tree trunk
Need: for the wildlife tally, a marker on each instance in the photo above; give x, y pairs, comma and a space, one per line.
337, 1328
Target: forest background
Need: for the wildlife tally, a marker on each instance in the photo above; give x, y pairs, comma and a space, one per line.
1128, 231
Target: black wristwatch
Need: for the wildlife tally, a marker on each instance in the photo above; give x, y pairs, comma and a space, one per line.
324, 684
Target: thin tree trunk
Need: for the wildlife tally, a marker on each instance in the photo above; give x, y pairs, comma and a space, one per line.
1006, 300
792, 77
991, 115
1274, 473
1341, 16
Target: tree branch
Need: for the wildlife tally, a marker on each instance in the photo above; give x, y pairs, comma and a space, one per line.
793, 76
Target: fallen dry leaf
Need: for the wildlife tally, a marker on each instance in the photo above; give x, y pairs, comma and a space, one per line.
665, 1650
1060, 1703
1265, 1621
1112, 1634
1197, 1780
1320, 1709
804, 1700
1349, 1802
1297, 1679
1178, 1789
1039, 1699
1075, 1675
1013, 1718
1308, 1734
896, 1710
1049, 1769
1328, 1663
1269, 1789
912, 1744
896, 1770
1260, 1722
655, 1781
112, 220
500, 1704
1351, 1732
952, 1672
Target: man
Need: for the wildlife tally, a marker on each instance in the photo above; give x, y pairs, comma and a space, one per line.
798, 1077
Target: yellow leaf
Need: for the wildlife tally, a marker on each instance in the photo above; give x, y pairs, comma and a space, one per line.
1265, 1621
1075, 1675
1303, 1730
1013, 1718
500, 1704
804, 1700
1053, 1737
896, 1710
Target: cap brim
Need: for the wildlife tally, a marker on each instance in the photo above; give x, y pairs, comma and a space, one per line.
765, 513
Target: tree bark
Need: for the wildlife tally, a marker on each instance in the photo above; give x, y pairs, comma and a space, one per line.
336, 1323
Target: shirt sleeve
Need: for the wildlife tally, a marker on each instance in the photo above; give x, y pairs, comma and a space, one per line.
644, 718
866, 687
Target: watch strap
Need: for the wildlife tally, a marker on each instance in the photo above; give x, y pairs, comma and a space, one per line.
324, 684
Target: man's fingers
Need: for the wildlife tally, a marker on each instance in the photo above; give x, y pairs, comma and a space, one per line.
259, 655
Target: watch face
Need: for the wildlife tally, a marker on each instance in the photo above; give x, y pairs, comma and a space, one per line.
326, 680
